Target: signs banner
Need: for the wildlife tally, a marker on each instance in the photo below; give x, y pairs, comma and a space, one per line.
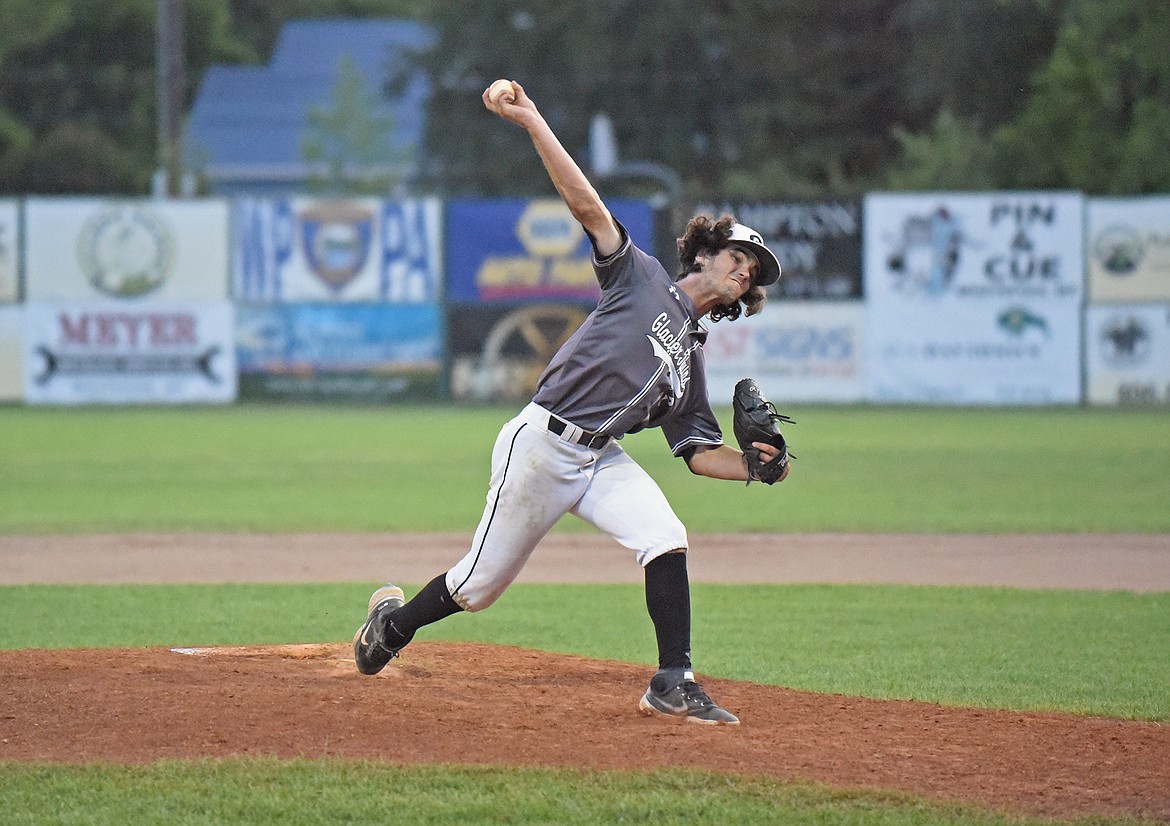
818, 244
339, 351
974, 298
1127, 353
130, 250
798, 352
155, 353
9, 254
1128, 248
529, 250
314, 249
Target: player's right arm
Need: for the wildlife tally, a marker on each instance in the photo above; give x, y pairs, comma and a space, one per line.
574, 188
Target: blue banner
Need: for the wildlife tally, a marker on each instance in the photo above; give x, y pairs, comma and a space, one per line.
316, 249
365, 352
517, 250
298, 337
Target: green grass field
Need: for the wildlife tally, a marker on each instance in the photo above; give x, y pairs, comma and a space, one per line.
325, 792
284, 469
278, 469
1101, 653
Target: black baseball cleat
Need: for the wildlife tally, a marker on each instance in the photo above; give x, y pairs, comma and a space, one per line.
370, 651
673, 692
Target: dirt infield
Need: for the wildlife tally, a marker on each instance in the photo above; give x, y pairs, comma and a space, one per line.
1135, 562
500, 705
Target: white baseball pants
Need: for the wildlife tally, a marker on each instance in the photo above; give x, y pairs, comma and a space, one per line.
538, 477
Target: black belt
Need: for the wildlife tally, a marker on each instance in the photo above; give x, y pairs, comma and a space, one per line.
593, 440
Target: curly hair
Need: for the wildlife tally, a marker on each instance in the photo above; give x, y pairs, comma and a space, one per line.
707, 235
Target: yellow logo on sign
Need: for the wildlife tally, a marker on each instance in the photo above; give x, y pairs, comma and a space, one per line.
547, 228
550, 236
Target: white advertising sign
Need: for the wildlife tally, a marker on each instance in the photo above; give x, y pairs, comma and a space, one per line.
9, 254
11, 353
1128, 248
155, 353
129, 250
974, 298
308, 249
1127, 348
797, 351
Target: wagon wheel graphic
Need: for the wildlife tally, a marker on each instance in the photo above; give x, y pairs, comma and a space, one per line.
525, 340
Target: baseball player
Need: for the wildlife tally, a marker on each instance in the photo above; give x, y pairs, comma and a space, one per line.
635, 362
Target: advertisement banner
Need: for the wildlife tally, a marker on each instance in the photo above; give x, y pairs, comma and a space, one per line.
154, 353
317, 249
366, 352
801, 352
529, 250
9, 254
1128, 248
498, 352
131, 250
1127, 348
11, 353
818, 244
974, 298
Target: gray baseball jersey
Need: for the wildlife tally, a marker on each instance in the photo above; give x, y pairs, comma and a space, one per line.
636, 361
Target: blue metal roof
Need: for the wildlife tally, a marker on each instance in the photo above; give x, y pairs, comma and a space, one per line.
246, 126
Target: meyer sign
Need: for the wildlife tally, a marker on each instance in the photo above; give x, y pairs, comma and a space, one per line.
79, 353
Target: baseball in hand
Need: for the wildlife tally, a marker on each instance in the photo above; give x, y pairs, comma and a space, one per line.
501, 92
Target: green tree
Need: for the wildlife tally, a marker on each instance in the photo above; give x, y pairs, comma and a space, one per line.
71, 159
1099, 117
88, 67
23, 22
257, 23
815, 90
972, 58
348, 144
736, 97
953, 155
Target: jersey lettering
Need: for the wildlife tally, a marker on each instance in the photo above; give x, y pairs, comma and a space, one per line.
671, 349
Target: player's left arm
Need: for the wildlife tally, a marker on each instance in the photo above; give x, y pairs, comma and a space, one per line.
725, 462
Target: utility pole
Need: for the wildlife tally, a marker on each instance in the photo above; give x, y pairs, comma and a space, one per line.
170, 82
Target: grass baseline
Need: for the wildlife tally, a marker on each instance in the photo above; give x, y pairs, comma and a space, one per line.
279, 469
257, 790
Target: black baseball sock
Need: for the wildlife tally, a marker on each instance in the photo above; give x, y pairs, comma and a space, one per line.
668, 599
429, 605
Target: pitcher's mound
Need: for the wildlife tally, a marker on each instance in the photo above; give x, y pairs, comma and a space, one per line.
464, 703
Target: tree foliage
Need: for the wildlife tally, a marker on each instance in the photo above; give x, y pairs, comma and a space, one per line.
1099, 118
349, 141
721, 93
91, 70
953, 155
257, 23
741, 98
971, 58
71, 159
